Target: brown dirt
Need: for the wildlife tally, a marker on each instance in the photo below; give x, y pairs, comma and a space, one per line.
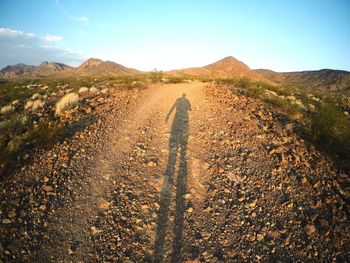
223, 180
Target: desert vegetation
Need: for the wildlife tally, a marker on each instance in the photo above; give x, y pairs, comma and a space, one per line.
321, 117
37, 113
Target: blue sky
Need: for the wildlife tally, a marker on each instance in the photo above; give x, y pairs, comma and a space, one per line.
279, 35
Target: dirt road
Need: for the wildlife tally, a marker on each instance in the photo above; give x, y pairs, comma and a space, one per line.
190, 172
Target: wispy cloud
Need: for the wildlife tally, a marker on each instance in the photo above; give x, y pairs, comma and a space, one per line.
7, 32
84, 20
53, 38
22, 47
81, 19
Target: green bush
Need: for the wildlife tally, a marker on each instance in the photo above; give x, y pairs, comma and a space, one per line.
175, 80
45, 134
288, 108
330, 128
16, 135
156, 76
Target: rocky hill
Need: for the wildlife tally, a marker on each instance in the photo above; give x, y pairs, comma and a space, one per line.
334, 80
13, 71
28, 71
91, 67
52, 67
98, 67
228, 67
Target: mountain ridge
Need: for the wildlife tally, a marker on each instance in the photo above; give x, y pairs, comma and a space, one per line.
90, 67
331, 79
225, 68
228, 67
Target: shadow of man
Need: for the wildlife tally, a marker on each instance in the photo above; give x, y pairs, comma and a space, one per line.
177, 144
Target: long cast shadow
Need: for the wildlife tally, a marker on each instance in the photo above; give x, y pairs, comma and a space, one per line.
177, 144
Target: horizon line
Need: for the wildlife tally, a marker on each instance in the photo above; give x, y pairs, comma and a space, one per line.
175, 69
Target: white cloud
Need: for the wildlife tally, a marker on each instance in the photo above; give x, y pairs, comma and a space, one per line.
7, 32
53, 38
21, 47
81, 19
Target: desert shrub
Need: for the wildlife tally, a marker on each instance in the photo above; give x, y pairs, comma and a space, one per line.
67, 101
83, 90
330, 128
244, 82
156, 76
175, 80
254, 91
10, 92
16, 135
325, 125
205, 80
285, 106
11, 139
46, 133
37, 104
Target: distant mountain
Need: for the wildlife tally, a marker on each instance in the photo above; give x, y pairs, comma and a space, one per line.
12, 71
228, 67
98, 67
324, 78
26, 71
271, 75
91, 67
52, 66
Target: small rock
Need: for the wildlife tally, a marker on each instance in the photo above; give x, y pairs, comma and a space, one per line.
48, 188
45, 179
94, 230
278, 150
252, 204
36, 96
235, 177
11, 214
103, 204
276, 234
15, 102
144, 207
28, 105
187, 196
151, 164
7, 109
6, 221
310, 229
259, 237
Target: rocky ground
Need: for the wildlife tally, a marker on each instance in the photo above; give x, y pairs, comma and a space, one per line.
227, 181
